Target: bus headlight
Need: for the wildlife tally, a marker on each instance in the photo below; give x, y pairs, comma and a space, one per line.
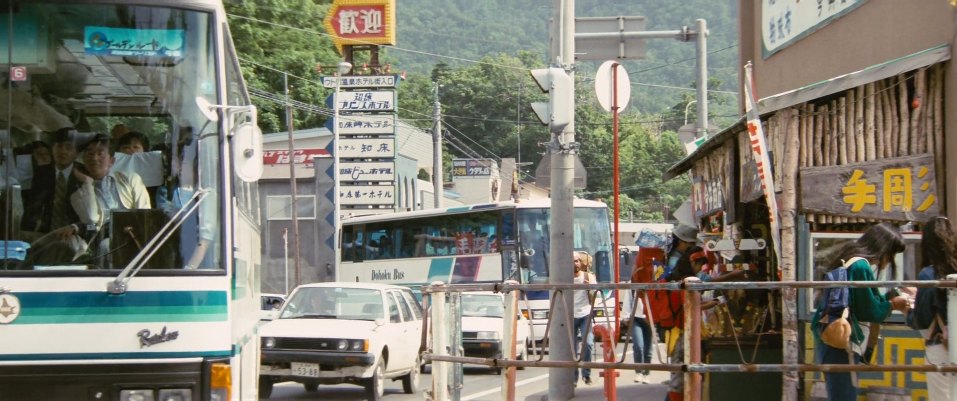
269, 342
539, 314
136, 395
175, 394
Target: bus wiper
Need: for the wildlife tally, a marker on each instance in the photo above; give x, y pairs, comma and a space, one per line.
119, 285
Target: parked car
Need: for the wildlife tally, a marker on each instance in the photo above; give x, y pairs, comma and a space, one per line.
331, 333
483, 325
271, 303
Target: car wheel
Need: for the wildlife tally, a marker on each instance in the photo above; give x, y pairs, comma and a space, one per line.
375, 385
311, 387
410, 382
265, 387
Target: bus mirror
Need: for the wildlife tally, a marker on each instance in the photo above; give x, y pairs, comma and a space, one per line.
247, 144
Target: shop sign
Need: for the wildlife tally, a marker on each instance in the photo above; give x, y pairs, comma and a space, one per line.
361, 22
750, 182
366, 148
472, 167
903, 188
376, 124
367, 195
708, 196
366, 171
784, 22
299, 156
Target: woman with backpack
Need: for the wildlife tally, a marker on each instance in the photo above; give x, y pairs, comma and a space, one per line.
938, 247
864, 259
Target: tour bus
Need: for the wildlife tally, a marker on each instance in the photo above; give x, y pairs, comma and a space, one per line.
475, 244
126, 276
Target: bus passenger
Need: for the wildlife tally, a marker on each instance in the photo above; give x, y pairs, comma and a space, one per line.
47, 204
133, 142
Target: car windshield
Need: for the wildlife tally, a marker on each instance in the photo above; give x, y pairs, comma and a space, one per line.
482, 305
334, 303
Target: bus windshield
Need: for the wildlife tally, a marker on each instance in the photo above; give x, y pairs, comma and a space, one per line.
103, 139
591, 234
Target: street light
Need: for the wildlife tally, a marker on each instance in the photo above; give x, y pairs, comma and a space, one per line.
342, 69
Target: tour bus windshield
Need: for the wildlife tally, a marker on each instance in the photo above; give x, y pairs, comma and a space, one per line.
590, 227
105, 146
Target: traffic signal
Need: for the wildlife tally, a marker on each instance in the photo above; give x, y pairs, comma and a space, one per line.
560, 109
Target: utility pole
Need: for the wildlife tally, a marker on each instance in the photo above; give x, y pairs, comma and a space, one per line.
562, 148
701, 67
292, 181
437, 180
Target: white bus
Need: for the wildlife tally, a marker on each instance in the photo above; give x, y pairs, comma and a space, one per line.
472, 244
126, 276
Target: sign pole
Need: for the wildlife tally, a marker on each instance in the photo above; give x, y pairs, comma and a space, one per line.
615, 174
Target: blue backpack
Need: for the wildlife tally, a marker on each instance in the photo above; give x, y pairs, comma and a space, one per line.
927, 303
835, 300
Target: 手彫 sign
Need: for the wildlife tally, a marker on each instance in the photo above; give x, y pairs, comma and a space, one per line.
903, 188
361, 22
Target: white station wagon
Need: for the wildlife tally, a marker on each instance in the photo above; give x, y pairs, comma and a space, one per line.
331, 333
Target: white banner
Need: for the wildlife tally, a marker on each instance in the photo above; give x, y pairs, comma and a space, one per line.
785, 21
759, 146
367, 148
366, 171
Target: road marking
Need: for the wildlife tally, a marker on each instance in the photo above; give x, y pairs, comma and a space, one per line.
499, 389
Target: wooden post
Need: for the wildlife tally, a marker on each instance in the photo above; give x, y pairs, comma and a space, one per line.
917, 105
859, 124
879, 118
939, 127
888, 121
903, 144
869, 137
788, 215
840, 115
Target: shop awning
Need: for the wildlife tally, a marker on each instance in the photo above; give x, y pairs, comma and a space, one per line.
817, 90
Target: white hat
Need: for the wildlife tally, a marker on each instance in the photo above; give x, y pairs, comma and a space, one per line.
686, 233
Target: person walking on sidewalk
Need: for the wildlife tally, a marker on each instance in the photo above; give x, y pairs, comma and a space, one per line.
640, 329
584, 339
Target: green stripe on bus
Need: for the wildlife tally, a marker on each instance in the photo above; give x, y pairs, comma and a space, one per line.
441, 269
141, 306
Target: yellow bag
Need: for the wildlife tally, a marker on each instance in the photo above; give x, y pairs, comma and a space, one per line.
837, 333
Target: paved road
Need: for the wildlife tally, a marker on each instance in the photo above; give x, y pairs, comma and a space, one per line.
483, 385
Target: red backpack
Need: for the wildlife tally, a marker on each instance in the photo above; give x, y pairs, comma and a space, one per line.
663, 307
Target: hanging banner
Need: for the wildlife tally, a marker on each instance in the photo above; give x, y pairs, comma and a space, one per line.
759, 147
902, 188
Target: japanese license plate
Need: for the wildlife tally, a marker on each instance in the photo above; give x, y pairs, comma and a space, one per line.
304, 369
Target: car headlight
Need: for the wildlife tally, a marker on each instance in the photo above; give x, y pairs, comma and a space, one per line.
175, 394
487, 335
359, 345
342, 345
269, 342
136, 395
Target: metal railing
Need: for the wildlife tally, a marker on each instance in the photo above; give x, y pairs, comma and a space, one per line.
693, 368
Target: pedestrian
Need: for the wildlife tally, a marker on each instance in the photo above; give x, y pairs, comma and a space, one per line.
583, 301
876, 249
640, 330
939, 252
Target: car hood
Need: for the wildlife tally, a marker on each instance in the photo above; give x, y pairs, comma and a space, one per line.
318, 328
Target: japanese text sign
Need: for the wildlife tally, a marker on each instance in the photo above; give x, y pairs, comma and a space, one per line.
364, 101
471, 167
361, 81
107, 41
366, 124
366, 148
366, 171
361, 22
300, 156
903, 188
367, 195
785, 21
708, 196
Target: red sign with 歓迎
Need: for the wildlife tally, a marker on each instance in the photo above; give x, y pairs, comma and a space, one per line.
361, 22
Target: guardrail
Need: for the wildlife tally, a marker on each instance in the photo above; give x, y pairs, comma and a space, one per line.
693, 368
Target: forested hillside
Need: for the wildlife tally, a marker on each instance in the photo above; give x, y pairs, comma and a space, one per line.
479, 52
